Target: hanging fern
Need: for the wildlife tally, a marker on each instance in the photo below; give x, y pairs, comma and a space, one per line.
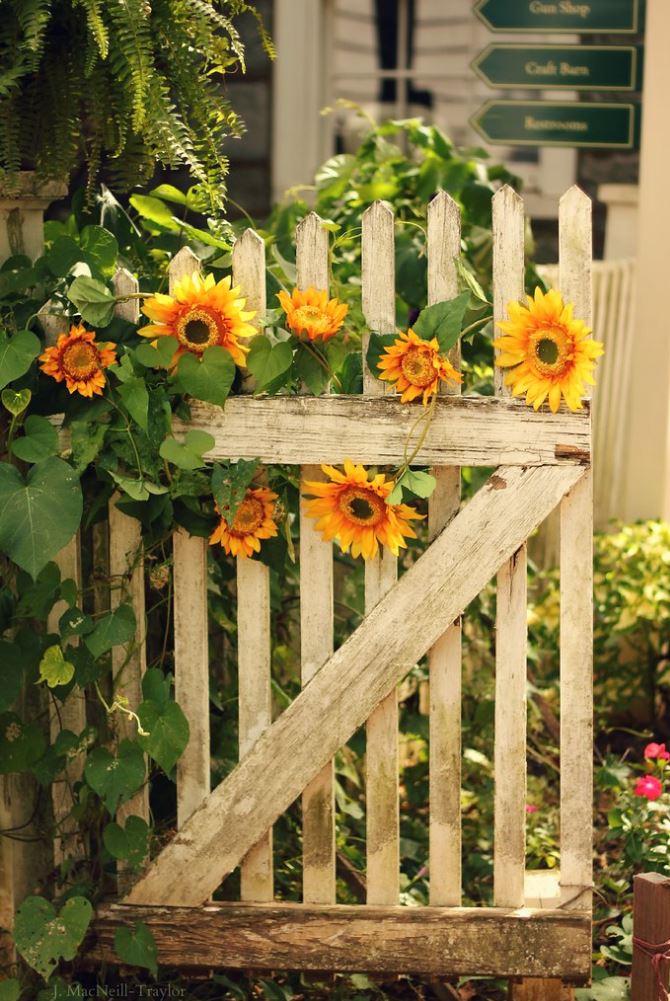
127, 82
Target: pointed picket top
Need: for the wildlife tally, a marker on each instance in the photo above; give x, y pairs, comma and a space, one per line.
575, 251
378, 278
312, 253
125, 283
182, 264
249, 272
508, 260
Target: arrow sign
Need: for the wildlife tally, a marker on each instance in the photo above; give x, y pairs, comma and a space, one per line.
560, 15
556, 123
571, 67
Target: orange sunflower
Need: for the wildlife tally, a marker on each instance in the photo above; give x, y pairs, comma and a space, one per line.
352, 509
79, 360
312, 313
416, 367
201, 313
253, 521
548, 352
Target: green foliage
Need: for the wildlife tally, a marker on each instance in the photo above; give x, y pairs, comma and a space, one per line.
129, 83
115, 778
129, 844
16, 354
137, 946
55, 670
43, 937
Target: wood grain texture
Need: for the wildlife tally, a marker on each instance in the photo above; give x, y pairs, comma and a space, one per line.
535, 989
444, 658
422, 940
651, 923
253, 601
316, 618
381, 730
576, 562
511, 627
360, 674
464, 431
255, 703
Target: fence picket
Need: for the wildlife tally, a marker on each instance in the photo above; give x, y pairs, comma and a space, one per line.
444, 659
382, 764
126, 570
190, 637
253, 604
511, 615
576, 631
316, 617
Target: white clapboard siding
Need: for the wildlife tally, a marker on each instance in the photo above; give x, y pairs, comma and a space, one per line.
444, 659
382, 763
191, 655
511, 615
576, 634
316, 617
126, 572
253, 604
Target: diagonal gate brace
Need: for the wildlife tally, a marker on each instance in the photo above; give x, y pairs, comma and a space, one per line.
343, 693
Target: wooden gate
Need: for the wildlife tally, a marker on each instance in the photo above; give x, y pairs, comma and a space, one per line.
540, 925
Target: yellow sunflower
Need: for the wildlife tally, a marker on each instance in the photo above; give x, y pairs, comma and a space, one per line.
549, 352
352, 509
253, 521
201, 313
312, 313
416, 367
79, 360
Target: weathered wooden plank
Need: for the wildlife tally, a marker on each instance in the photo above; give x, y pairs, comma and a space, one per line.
126, 569
576, 562
316, 618
361, 673
651, 925
421, 940
68, 715
381, 573
253, 603
511, 628
464, 431
444, 659
191, 653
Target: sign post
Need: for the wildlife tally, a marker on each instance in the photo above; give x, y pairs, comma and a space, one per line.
583, 16
567, 67
556, 123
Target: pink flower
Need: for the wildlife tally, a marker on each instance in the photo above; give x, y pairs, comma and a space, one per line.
656, 751
649, 786
531, 808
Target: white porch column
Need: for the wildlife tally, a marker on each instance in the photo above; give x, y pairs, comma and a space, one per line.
648, 446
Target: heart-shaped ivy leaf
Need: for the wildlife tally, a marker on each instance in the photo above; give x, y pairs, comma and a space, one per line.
39, 441
189, 453
113, 629
40, 515
16, 354
21, 744
54, 668
93, 300
129, 844
268, 362
115, 778
137, 947
444, 320
167, 732
43, 937
16, 401
208, 378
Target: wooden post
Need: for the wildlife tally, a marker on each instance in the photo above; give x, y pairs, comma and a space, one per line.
651, 924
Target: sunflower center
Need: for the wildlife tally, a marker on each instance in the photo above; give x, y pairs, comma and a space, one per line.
364, 507
199, 329
80, 360
552, 351
248, 517
311, 317
417, 367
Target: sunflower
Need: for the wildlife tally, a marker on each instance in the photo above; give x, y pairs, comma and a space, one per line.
79, 360
416, 367
253, 521
312, 313
352, 509
549, 353
201, 313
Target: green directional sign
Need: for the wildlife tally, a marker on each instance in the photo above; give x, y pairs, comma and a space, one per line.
558, 123
570, 67
581, 16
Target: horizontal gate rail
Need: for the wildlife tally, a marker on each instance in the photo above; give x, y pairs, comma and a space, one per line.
435, 941
464, 431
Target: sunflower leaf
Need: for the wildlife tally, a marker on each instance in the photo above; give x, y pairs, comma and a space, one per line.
310, 370
444, 321
375, 350
159, 355
135, 397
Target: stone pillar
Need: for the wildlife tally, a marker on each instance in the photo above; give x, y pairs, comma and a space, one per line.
622, 219
22, 207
